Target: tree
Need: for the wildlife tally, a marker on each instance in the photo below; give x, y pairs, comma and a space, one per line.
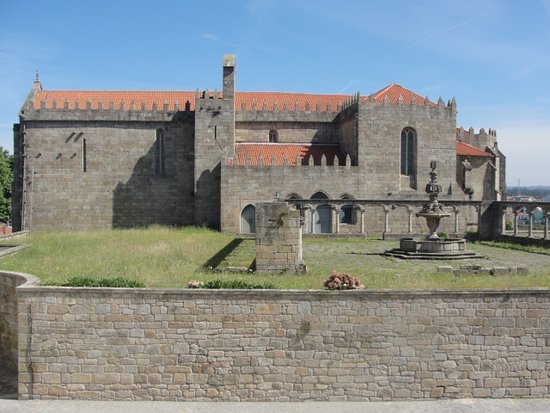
6, 179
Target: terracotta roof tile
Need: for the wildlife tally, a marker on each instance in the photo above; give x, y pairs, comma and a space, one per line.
288, 151
291, 99
463, 149
393, 92
242, 99
71, 96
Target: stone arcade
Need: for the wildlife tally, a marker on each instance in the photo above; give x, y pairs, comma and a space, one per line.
351, 164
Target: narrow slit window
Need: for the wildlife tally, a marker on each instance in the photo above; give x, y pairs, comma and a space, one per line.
84, 154
159, 153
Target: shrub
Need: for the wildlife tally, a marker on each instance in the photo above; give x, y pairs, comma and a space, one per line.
509, 225
442, 235
342, 281
230, 284
117, 282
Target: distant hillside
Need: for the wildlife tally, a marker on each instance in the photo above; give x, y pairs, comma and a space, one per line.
538, 191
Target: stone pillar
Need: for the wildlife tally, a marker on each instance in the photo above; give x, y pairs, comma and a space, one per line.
546, 224
308, 217
386, 219
516, 218
502, 221
531, 218
336, 218
410, 210
361, 218
456, 211
278, 239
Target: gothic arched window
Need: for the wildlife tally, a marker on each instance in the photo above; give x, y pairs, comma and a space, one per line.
408, 151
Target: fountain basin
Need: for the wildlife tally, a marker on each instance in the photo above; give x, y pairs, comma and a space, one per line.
432, 245
432, 249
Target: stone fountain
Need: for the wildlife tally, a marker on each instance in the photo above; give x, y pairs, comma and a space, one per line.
432, 247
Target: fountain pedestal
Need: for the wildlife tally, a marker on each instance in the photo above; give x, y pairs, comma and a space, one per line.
432, 247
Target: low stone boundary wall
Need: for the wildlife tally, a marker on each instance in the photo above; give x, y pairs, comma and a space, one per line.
8, 316
282, 345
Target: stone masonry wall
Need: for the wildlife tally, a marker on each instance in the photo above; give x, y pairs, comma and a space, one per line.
288, 132
379, 146
8, 318
263, 182
282, 345
85, 175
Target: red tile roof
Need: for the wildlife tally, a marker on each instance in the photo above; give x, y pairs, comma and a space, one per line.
393, 92
326, 102
463, 149
160, 97
280, 98
286, 151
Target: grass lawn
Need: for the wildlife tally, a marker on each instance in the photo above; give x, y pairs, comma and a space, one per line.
170, 258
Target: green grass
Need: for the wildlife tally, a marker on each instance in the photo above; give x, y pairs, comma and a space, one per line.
517, 247
169, 258
116, 282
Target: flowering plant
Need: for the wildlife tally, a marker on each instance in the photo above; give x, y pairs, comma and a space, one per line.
195, 284
342, 281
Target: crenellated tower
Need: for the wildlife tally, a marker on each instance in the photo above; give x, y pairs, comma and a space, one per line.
214, 140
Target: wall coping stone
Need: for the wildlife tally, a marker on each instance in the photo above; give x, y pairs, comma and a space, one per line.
25, 280
31, 288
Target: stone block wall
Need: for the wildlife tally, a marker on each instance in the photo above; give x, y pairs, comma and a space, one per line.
288, 132
86, 175
379, 146
282, 345
9, 281
263, 183
278, 238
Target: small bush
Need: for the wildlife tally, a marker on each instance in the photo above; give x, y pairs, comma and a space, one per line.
342, 281
443, 235
230, 284
117, 282
509, 225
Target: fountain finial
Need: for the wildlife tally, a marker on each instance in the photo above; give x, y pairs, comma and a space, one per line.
433, 210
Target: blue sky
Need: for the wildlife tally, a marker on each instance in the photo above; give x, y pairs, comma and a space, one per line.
492, 56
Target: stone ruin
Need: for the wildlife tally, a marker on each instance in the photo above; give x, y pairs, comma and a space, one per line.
278, 239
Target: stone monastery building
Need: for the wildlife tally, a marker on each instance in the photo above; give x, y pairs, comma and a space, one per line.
351, 164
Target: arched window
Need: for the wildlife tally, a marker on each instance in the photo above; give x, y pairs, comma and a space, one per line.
273, 136
293, 196
408, 149
319, 195
248, 220
346, 215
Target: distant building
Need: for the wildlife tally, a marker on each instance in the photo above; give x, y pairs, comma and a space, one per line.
115, 159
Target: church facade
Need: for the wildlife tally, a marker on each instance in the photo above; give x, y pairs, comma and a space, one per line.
119, 159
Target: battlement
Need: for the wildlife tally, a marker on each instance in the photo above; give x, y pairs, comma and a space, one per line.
481, 140
461, 132
298, 162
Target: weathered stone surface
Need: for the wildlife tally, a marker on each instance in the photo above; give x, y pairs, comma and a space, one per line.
363, 345
123, 164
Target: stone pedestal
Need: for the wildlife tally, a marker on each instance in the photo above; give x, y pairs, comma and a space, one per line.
278, 239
